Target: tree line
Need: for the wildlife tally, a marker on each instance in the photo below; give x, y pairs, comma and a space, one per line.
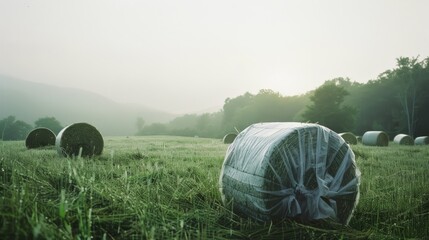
13, 129
396, 102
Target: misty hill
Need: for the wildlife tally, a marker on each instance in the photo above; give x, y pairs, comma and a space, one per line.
29, 101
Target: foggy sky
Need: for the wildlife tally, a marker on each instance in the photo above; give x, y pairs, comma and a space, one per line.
187, 56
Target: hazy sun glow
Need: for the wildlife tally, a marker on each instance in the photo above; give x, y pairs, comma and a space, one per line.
185, 56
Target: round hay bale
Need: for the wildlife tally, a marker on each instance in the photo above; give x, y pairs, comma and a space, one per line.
274, 171
423, 140
375, 138
359, 139
349, 137
40, 137
403, 139
229, 138
79, 139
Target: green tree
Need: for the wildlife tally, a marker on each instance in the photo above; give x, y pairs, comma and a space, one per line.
49, 122
421, 76
5, 124
232, 108
326, 108
209, 125
405, 77
12, 129
396, 102
266, 106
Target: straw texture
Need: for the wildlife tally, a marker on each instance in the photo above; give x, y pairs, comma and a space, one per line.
349, 137
79, 139
403, 139
274, 171
359, 139
229, 138
423, 140
375, 138
40, 137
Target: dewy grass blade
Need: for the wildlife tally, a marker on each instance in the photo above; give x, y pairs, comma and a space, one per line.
170, 191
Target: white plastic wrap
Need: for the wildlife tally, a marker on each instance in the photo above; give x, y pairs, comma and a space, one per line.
274, 171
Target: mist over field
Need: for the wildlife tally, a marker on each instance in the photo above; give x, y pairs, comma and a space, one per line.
190, 119
189, 56
395, 102
194, 68
29, 101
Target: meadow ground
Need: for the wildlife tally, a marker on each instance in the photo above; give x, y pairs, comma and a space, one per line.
162, 187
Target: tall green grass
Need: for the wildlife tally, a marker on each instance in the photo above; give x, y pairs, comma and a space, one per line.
167, 188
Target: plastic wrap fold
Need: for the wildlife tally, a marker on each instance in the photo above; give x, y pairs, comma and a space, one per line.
274, 171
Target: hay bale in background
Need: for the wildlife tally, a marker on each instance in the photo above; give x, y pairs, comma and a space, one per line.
229, 138
423, 140
359, 139
349, 137
274, 171
40, 137
375, 138
79, 139
403, 139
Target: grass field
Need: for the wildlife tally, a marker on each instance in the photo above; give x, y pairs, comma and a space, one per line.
167, 188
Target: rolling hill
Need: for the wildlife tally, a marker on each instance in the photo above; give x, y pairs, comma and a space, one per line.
29, 101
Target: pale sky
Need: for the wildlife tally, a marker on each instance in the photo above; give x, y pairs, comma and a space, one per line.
187, 56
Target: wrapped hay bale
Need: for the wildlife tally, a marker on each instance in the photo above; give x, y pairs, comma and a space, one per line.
40, 137
274, 171
79, 139
349, 137
229, 138
403, 139
375, 138
423, 140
